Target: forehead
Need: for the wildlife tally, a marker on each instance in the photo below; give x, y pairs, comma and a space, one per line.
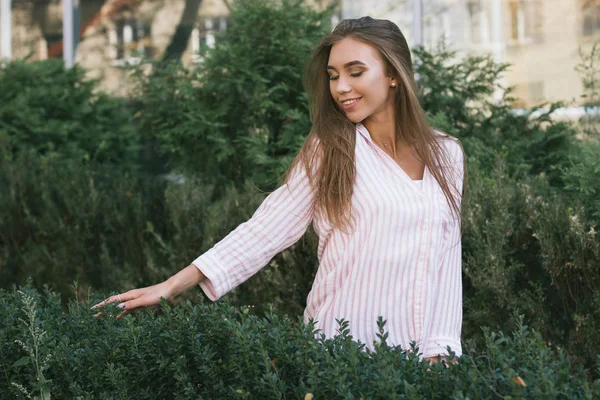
350, 49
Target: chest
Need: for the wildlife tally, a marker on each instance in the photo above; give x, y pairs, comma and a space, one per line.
406, 160
385, 191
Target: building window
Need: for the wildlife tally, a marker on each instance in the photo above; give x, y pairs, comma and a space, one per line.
203, 35
130, 42
526, 22
590, 10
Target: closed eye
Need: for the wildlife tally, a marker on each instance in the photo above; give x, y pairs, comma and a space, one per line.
353, 74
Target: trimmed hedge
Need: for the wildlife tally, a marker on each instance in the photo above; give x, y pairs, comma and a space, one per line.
217, 352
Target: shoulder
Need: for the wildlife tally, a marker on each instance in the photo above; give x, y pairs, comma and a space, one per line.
451, 145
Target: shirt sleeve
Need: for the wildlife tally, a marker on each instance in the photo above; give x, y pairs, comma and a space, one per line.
447, 315
279, 222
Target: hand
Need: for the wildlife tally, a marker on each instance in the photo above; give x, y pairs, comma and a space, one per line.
133, 299
443, 359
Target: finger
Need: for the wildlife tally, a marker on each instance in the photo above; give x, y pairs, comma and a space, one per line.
99, 305
124, 313
104, 302
121, 297
130, 295
133, 304
130, 306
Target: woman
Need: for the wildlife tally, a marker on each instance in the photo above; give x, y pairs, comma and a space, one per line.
383, 191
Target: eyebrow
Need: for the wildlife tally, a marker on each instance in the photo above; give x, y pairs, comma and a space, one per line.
348, 64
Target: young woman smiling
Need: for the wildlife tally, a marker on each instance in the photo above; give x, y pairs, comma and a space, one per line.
383, 191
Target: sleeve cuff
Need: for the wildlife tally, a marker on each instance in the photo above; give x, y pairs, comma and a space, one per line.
439, 346
218, 281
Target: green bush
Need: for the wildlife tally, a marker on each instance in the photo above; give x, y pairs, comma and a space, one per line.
570, 255
242, 113
216, 352
66, 220
502, 272
63, 220
582, 179
58, 113
458, 97
528, 249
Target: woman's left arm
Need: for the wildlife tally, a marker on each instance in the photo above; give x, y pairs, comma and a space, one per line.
447, 310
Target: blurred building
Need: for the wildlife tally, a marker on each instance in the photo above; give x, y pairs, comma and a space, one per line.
541, 39
118, 33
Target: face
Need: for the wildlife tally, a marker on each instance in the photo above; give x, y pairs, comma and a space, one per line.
359, 82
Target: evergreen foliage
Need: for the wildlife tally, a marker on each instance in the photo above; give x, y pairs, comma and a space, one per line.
458, 95
243, 112
63, 220
217, 352
60, 114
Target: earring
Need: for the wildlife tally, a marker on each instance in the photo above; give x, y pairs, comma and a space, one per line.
393, 84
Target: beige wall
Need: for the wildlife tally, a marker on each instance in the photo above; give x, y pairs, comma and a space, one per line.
546, 70
27, 37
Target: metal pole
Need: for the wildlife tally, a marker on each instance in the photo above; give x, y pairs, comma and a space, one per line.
418, 22
70, 31
6, 30
498, 40
497, 31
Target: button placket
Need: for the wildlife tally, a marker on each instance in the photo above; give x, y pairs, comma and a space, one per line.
423, 257
419, 295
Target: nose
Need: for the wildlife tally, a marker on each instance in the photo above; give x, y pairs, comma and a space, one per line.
343, 86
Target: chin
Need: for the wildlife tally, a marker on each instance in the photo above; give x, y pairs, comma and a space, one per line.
355, 118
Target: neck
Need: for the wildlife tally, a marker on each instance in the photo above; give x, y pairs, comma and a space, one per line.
382, 129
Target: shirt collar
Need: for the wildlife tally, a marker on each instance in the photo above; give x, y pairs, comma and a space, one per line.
360, 128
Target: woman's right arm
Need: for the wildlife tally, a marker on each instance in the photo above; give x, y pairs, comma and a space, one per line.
278, 223
151, 295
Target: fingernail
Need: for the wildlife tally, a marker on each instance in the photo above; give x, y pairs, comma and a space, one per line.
121, 305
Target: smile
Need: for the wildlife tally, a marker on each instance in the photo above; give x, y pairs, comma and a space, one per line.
350, 103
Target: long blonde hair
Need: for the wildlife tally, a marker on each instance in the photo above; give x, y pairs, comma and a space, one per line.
332, 177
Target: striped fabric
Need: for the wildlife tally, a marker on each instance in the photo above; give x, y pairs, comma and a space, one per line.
401, 262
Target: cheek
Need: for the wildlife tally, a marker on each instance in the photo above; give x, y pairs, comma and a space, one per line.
332, 88
378, 89
371, 84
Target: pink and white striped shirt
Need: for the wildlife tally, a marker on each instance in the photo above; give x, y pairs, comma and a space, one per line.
402, 261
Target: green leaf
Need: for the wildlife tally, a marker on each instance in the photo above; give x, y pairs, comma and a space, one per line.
22, 361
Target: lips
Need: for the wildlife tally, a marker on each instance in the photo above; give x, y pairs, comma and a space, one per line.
347, 104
